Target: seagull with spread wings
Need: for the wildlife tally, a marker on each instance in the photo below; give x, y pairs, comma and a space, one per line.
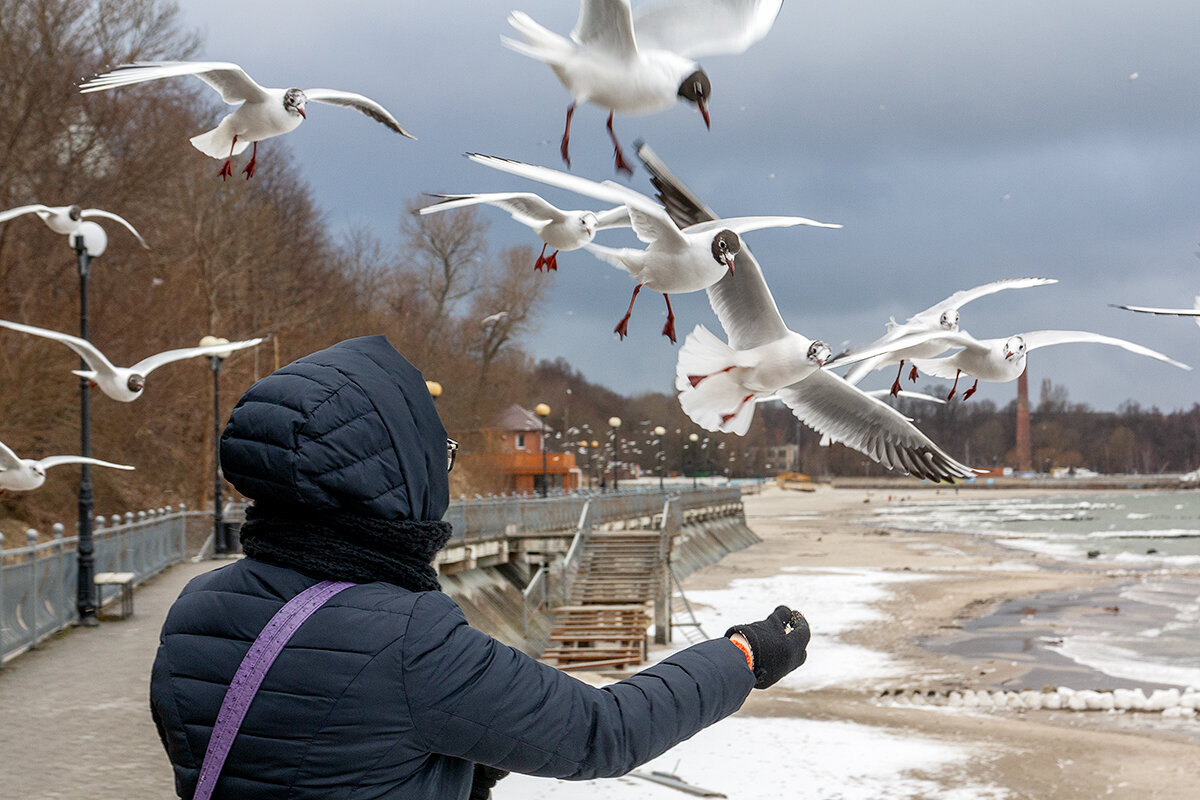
262, 113
124, 383
675, 260
764, 357
67, 219
942, 316
562, 230
639, 64
1194, 312
1003, 360
27, 474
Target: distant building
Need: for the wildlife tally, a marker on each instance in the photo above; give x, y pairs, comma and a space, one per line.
511, 447
782, 458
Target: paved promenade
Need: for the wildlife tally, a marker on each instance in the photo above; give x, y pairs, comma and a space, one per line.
75, 713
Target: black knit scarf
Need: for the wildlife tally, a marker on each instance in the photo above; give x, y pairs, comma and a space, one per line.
337, 545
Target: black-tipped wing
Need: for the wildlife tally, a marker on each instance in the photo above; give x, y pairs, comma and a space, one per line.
336, 97
834, 408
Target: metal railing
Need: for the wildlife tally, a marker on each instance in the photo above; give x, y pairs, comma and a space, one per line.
37, 580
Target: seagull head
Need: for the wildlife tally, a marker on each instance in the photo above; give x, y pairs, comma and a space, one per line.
75, 213
588, 221
136, 382
725, 247
293, 102
1014, 348
38, 470
819, 353
949, 320
696, 88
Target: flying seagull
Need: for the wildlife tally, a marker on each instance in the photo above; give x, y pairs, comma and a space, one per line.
642, 64
942, 316
66, 219
764, 357
675, 260
121, 383
562, 230
1175, 312
27, 474
263, 112
1002, 360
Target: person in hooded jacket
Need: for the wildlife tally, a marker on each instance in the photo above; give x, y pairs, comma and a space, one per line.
386, 691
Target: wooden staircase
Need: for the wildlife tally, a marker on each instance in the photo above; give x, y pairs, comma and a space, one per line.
605, 622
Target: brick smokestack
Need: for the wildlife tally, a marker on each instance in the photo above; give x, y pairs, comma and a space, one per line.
1024, 444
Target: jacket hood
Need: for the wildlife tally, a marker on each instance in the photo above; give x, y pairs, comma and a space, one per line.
349, 428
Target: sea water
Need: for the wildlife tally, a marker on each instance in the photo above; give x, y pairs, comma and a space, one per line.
1142, 629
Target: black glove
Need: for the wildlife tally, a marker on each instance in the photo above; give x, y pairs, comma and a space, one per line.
777, 644
485, 778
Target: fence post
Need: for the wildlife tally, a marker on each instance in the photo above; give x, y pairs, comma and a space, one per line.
662, 595
182, 531
59, 599
3, 644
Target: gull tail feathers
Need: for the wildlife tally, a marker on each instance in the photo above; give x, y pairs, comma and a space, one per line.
218, 142
709, 393
540, 43
85, 373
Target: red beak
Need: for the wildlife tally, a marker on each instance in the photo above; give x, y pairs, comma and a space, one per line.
301, 110
704, 113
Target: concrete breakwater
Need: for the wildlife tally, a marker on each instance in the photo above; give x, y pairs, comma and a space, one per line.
1170, 703
492, 579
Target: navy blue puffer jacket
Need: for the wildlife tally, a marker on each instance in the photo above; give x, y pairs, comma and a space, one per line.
386, 692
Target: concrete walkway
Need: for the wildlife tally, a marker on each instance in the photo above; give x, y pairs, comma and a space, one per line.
75, 713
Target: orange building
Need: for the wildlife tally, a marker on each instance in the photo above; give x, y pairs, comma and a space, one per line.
512, 447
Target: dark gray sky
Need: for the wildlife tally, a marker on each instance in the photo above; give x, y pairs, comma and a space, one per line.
958, 143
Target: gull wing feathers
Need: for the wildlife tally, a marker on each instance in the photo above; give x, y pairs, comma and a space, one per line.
1177, 312
85, 349
705, 27
742, 302
608, 191
336, 97
148, 365
964, 296
525, 207
230, 80
13, 213
740, 225
8, 459
99, 212
54, 461
616, 217
832, 407
1036, 339
606, 25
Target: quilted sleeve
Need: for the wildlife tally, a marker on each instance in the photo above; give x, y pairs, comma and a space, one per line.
478, 699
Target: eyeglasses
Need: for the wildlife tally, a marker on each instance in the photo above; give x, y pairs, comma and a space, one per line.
451, 450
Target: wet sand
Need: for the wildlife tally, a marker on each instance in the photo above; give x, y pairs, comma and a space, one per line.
1035, 754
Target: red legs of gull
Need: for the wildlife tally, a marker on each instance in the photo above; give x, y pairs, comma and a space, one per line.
726, 417
622, 166
226, 169
549, 262
566, 140
912, 374
669, 329
694, 380
957, 374
249, 168
622, 328
896, 383
971, 391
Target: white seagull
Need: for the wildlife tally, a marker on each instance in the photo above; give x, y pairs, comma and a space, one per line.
562, 230
66, 219
675, 260
1002, 360
642, 64
121, 383
764, 357
942, 316
1174, 312
263, 112
27, 474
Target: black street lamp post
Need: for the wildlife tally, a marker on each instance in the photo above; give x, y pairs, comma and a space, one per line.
221, 543
88, 242
543, 411
615, 424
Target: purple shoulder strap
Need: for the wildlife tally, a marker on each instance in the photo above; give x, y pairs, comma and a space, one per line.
250, 674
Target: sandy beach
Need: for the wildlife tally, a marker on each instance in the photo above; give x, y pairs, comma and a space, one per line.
836, 729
